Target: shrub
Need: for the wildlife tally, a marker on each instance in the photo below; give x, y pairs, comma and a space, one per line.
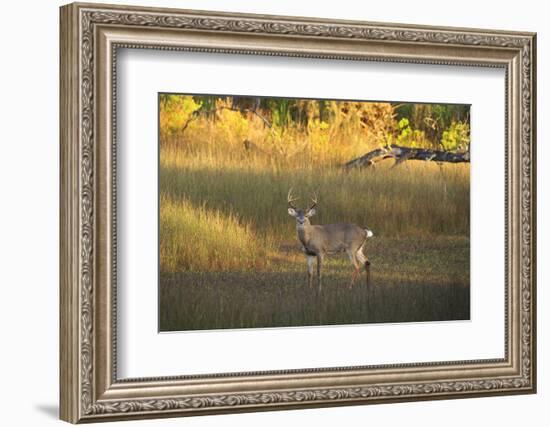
456, 137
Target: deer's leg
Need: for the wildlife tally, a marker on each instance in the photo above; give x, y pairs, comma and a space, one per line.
356, 266
319, 269
364, 261
310, 260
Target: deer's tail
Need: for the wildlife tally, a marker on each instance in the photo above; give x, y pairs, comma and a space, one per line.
369, 233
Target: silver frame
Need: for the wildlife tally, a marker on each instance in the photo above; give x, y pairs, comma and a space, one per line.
90, 37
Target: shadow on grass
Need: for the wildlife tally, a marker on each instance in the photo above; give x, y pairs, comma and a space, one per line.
229, 300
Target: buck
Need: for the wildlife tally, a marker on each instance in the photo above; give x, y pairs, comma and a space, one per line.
321, 240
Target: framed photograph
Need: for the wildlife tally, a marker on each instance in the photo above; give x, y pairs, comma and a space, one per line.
265, 212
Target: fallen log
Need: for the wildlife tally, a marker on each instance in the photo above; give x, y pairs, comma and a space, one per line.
400, 154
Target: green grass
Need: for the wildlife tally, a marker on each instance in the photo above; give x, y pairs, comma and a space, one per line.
411, 280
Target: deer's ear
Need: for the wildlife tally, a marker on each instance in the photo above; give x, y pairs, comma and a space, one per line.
311, 212
292, 212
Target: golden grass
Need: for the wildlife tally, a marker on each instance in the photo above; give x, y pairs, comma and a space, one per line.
193, 238
235, 212
223, 202
412, 198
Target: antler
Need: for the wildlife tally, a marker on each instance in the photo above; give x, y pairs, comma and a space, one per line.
291, 199
314, 200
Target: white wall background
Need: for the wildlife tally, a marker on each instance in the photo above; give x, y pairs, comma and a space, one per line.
29, 171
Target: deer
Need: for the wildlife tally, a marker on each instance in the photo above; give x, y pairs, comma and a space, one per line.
319, 241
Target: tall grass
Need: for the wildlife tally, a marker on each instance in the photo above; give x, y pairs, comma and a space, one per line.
416, 198
193, 238
224, 183
247, 205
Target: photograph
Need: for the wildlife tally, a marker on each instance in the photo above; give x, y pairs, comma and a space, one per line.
293, 212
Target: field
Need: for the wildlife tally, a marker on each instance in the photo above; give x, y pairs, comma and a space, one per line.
412, 280
229, 254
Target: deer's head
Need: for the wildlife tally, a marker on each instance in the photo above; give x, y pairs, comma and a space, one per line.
302, 216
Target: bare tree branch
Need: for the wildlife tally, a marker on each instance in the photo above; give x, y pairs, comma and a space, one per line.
199, 113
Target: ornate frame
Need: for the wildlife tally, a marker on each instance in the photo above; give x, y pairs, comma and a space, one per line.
90, 35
